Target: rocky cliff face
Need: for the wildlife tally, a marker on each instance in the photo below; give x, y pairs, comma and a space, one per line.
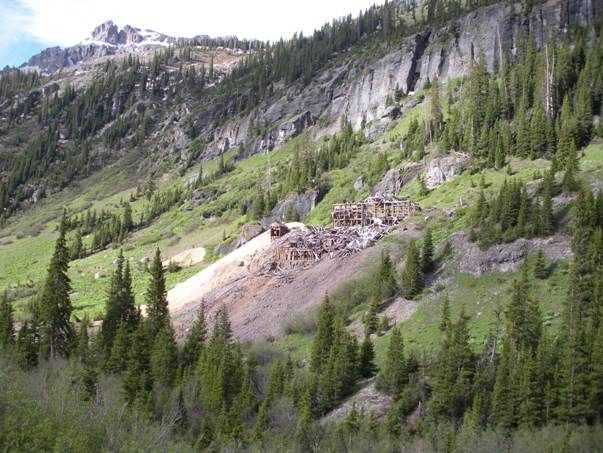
358, 93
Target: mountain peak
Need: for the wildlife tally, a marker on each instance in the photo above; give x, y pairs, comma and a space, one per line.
107, 32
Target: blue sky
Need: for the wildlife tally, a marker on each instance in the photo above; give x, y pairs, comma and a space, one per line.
28, 26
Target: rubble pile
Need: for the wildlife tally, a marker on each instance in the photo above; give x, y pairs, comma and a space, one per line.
301, 248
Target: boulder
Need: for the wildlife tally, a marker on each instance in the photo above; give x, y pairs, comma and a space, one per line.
445, 168
390, 185
303, 202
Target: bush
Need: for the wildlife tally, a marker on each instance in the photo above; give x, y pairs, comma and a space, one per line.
303, 323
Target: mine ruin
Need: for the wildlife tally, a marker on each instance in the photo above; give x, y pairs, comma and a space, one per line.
356, 226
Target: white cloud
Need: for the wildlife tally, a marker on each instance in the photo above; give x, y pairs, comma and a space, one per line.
66, 22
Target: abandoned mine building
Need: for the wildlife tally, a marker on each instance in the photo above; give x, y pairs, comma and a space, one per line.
381, 210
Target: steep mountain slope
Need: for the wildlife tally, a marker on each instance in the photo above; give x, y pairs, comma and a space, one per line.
474, 324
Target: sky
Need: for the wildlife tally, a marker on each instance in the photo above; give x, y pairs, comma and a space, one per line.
28, 26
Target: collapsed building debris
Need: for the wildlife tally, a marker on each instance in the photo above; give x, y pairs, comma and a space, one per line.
373, 210
301, 248
356, 226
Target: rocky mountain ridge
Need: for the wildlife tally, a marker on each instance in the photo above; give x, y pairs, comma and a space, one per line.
358, 91
105, 40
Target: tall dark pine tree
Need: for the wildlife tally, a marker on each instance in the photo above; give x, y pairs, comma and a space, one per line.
195, 340
156, 298
412, 275
7, 330
112, 318
56, 331
394, 375
427, 252
324, 336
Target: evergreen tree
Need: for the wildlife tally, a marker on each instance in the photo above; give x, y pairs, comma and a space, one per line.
76, 249
367, 367
546, 224
323, 341
394, 376
164, 357
596, 376
113, 315
137, 379
540, 266
427, 252
7, 329
156, 298
195, 340
117, 361
370, 317
445, 316
27, 350
571, 167
57, 333
412, 275
502, 413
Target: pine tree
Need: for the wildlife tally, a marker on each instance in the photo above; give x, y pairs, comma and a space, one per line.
412, 275
445, 316
195, 340
546, 213
502, 409
530, 409
596, 376
427, 252
367, 366
158, 315
370, 318
113, 315
27, 350
7, 329
164, 357
57, 333
87, 372
540, 266
137, 379
118, 356
394, 376
323, 341
76, 249
571, 167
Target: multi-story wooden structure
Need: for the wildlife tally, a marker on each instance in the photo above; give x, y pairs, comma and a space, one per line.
388, 211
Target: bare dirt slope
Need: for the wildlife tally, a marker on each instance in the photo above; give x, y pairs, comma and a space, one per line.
260, 302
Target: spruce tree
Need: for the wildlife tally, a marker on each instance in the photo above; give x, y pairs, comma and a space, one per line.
367, 366
7, 329
394, 376
323, 341
164, 357
571, 167
546, 213
540, 266
27, 350
412, 275
370, 317
113, 315
137, 379
596, 376
56, 330
156, 298
502, 413
118, 357
427, 252
195, 340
